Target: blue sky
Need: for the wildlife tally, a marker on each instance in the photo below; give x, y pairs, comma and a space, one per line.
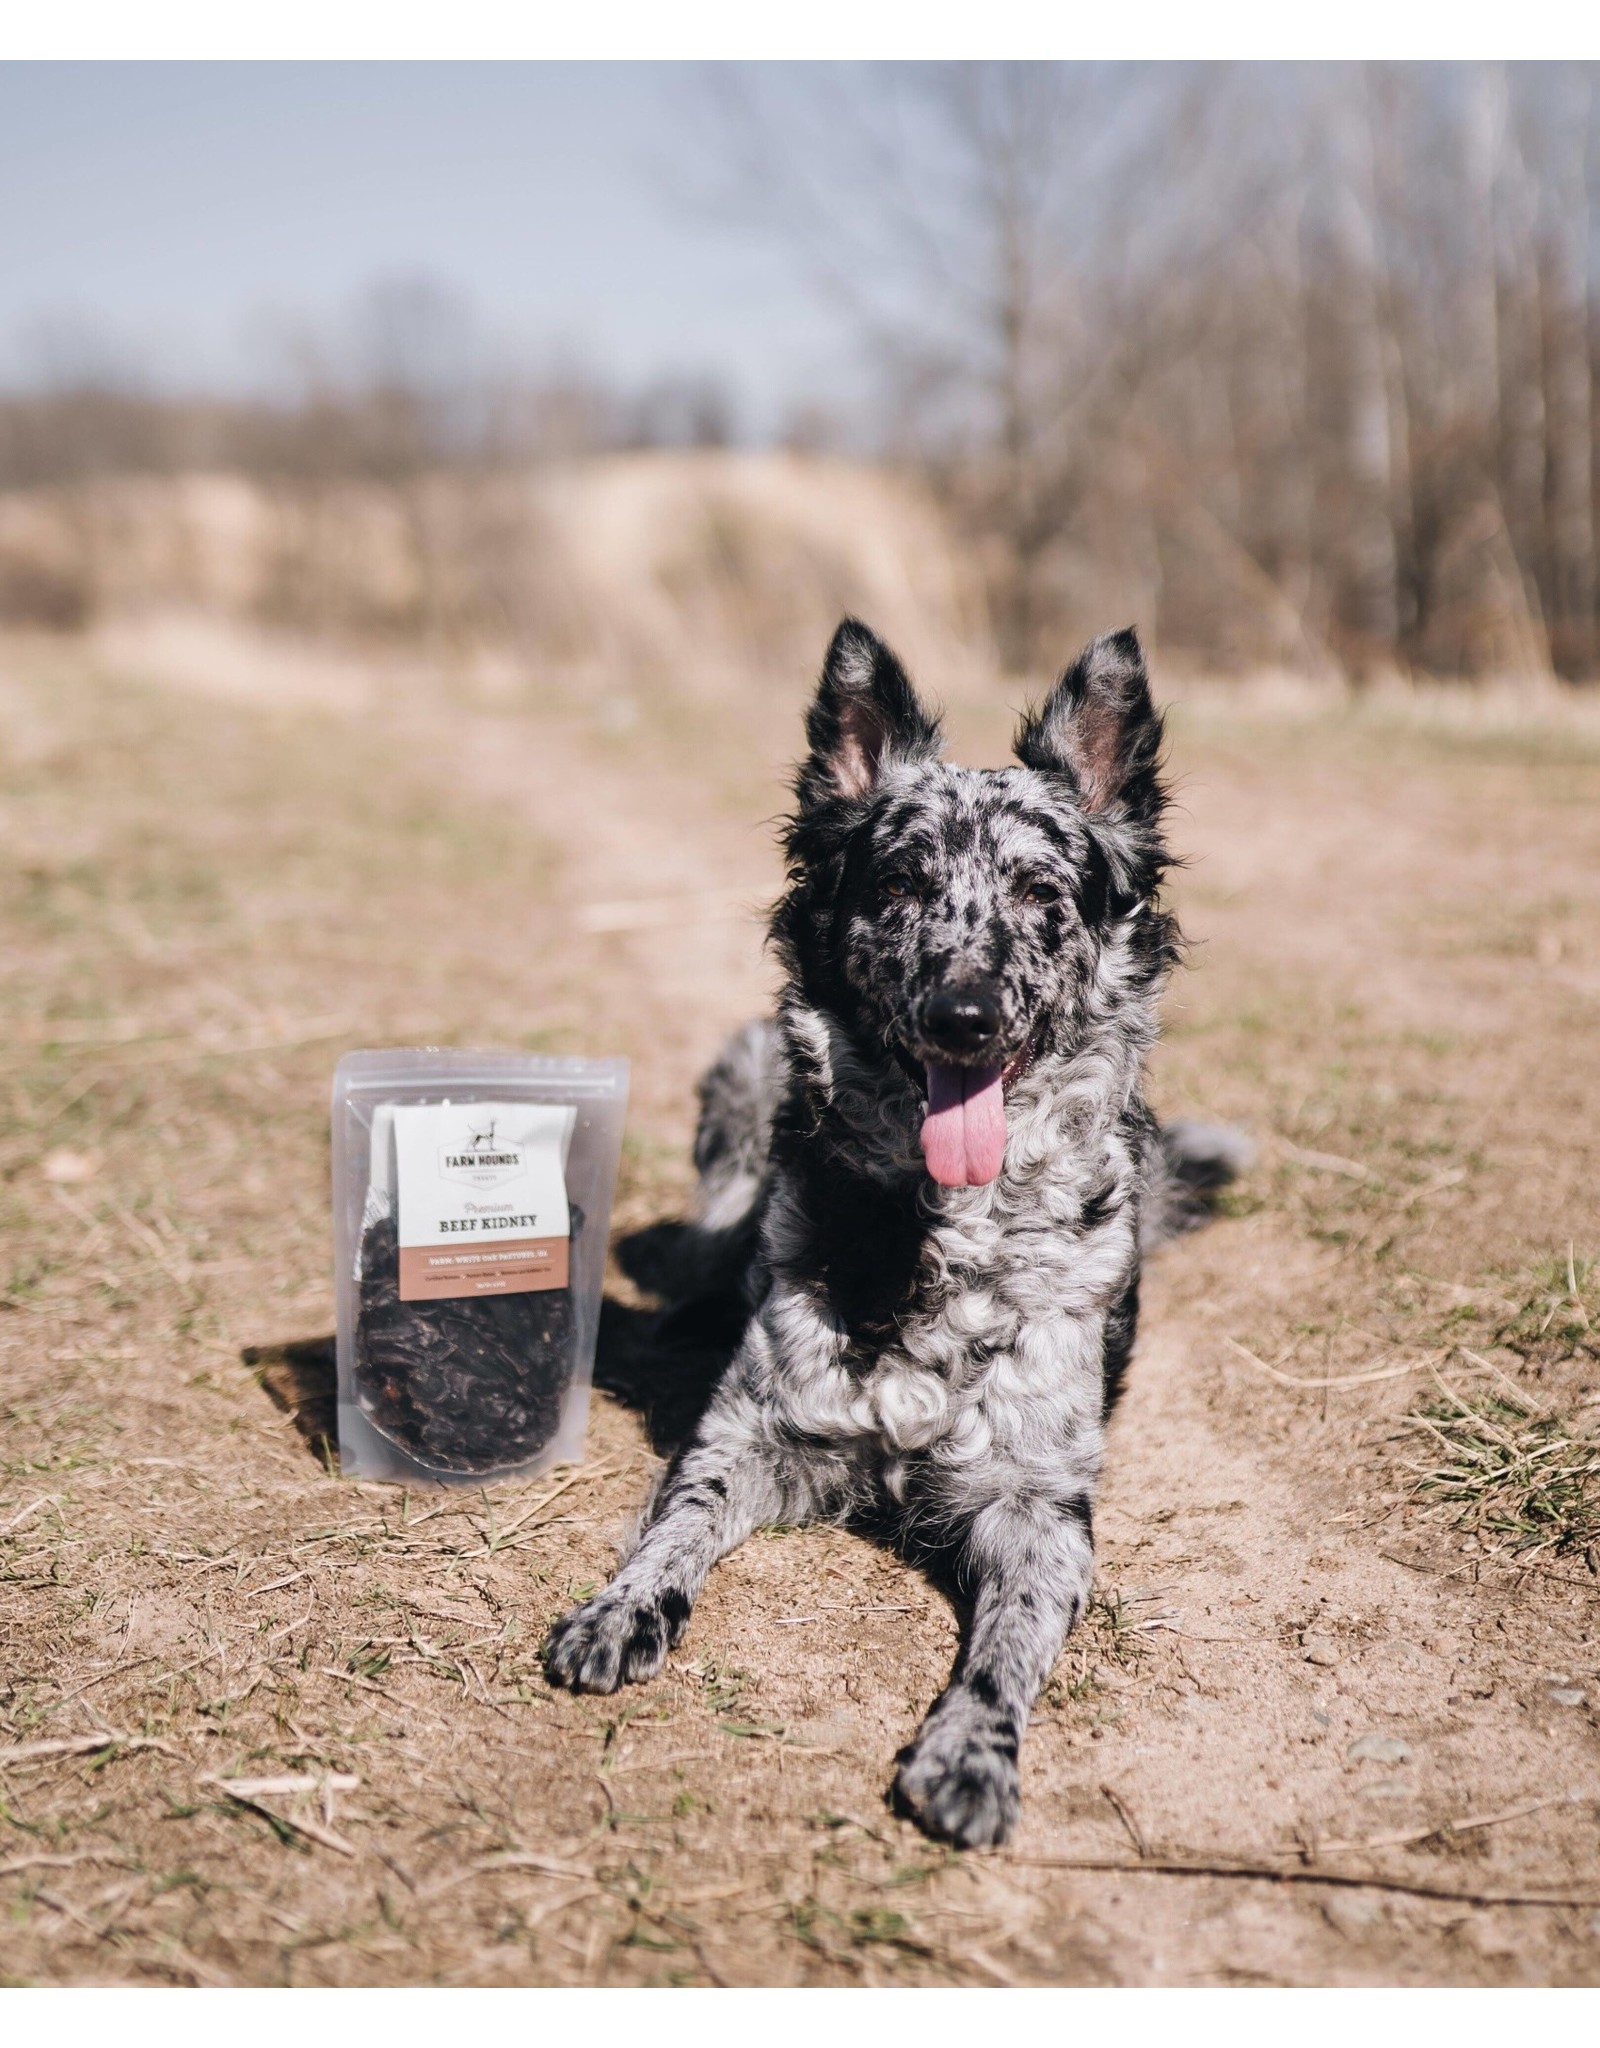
191, 212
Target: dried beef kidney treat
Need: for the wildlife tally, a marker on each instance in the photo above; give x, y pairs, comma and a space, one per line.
469, 1384
472, 1190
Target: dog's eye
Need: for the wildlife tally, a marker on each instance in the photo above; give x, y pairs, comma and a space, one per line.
1041, 892
897, 888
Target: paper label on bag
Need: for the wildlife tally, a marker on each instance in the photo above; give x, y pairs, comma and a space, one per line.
482, 1197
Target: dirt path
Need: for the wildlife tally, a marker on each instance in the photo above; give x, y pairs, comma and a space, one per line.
662, 874
1396, 983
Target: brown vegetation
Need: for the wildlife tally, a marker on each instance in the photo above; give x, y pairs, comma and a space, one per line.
708, 567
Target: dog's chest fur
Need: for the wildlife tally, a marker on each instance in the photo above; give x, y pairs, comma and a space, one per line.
919, 1320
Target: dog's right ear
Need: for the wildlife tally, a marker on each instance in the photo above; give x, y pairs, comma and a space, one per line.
865, 715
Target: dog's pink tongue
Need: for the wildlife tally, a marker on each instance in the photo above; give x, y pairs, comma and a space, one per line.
964, 1131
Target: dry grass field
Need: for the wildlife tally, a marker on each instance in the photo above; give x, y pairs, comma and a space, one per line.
1335, 1716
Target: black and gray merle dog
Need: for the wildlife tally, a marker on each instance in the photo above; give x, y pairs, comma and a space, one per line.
932, 1180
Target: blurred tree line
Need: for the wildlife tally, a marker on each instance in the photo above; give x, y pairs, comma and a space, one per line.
1291, 363
409, 388
1294, 365
385, 457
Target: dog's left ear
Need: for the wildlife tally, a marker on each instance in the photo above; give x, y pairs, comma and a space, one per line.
865, 714
1099, 727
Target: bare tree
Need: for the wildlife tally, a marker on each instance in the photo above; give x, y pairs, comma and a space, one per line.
1304, 361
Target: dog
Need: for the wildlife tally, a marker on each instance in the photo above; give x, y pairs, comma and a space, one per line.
931, 1182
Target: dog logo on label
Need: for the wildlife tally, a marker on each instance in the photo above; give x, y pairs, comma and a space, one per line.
480, 1162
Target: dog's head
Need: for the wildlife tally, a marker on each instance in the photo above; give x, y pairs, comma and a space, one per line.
962, 920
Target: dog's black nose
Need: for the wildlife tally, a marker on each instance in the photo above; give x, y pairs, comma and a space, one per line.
961, 1020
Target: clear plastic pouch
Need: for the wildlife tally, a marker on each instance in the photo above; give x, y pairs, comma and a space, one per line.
471, 1207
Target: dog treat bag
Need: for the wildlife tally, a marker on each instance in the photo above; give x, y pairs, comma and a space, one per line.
471, 1196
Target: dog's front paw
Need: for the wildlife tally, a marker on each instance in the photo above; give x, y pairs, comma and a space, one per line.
961, 1785
614, 1639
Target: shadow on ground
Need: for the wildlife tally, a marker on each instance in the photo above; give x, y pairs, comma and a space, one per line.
663, 1364
300, 1378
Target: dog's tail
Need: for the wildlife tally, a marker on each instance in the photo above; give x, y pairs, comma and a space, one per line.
715, 1253
1190, 1165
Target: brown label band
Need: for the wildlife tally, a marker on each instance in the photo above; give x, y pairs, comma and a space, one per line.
520, 1265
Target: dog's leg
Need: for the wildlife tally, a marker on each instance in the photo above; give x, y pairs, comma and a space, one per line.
1031, 1563
726, 1482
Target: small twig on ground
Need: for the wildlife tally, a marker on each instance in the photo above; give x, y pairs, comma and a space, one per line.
534, 1916
1120, 1809
695, 1756
173, 1957
47, 1500
1349, 1379
312, 1830
530, 1859
1267, 1873
116, 1671
1468, 1825
1519, 1397
399, 1869
21, 1863
464, 1665
1430, 1571
353, 1678
258, 1788
149, 1241
453, 1620
81, 1745
1325, 1162
500, 1539
69, 1912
